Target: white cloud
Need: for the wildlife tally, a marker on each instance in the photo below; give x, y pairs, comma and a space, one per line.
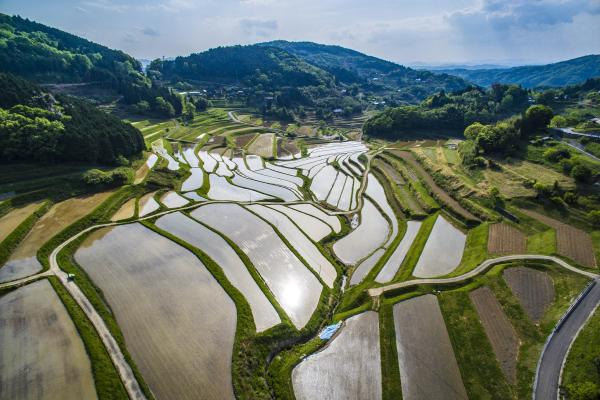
258, 27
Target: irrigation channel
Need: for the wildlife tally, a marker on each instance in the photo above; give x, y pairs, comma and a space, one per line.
133, 389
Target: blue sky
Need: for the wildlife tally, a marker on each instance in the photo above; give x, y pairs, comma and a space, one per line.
458, 31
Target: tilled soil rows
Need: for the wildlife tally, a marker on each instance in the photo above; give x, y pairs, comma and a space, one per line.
533, 288
499, 330
571, 242
505, 239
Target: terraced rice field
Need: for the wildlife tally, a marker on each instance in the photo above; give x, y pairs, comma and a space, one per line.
392, 265
152, 285
219, 250
208, 162
14, 218
221, 189
330, 220
126, 211
366, 266
263, 145
147, 204
442, 252
498, 329
377, 193
440, 193
194, 181
242, 140
391, 172
295, 288
348, 368
428, 367
23, 261
354, 247
533, 288
42, 355
313, 227
266, 188
322, 182
142, 171
173, 200
571, 242
505, 239
307, 250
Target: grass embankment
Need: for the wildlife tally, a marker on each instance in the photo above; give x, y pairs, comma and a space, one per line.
541, 239
390, 370
410, 261
475, 249
67, 263
106, 378
10, 243
581, 374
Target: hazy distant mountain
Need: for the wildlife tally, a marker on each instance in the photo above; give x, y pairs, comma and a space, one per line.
558, 74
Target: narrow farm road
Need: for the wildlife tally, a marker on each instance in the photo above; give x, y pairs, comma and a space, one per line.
579, 149
549, 371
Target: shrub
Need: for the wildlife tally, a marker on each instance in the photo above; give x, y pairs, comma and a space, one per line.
581, 173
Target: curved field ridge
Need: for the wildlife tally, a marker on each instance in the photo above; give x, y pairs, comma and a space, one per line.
505, 239
533, 288
498, 329
10, 221
348, 368
377, 193
42, 354
571, 242
153, 285
312, 226
295, 288
219, 250
442, 252
368, 236
365, 267
428, 368
391, 266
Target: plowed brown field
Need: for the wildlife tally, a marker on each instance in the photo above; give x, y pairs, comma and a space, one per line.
571, 242
504, 239
533, 288
499, 330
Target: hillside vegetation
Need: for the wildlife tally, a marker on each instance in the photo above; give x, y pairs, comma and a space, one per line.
562, 73
36, 126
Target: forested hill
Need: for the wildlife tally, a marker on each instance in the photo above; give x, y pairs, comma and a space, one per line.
36, 126
351, 66
563, 73
254, 65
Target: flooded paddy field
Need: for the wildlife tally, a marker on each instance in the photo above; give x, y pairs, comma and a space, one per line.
194, 181
498, 329
377, 193
208, 162
442, 252
322, 182
23, 261
307, 250
392, 265
428, 368
534, 289
336, 189
283, 178
219, 251
147, 204
173, 200
142, 171
312, 226
221, 189
178, 322
14, 218
42, 355
365, 267
190, 155
126, 211
266, 188
348, 368
295, 288
354, 247
310, 209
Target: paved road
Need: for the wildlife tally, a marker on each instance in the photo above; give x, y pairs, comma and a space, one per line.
476, 271
549, 372
579, 149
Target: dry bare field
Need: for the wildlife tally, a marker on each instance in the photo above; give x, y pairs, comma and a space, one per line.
42, 355
263, 145
571, 242
147, 204
126, 211
533, 288
243, 140
178, 322
505, 239
390, 171
439, 192
348, 368
499, 330
10, 221
428, 367
23, 261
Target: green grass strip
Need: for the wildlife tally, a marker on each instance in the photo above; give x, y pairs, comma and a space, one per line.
410, 261
10, 243
390, 370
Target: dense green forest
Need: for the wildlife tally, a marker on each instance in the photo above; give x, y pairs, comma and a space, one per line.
558, 74
36, 126
449, 112
48, 55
